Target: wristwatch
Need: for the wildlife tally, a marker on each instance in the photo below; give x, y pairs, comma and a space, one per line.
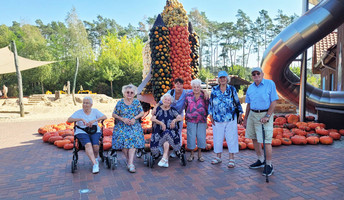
267, 115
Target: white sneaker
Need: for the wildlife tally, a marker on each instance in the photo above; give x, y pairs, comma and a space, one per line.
95, 168
163, 163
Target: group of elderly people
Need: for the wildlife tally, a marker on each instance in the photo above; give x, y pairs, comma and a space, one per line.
222, 106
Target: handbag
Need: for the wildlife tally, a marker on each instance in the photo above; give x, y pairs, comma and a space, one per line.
90, 130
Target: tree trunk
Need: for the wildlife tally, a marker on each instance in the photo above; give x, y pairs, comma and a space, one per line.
74, 84
42, 87
19, 77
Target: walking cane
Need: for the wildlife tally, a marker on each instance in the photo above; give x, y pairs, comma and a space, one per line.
266, 174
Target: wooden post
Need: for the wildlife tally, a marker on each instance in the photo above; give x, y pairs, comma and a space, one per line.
20, 83
74, 84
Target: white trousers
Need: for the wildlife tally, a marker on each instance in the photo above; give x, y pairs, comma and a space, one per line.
228, 130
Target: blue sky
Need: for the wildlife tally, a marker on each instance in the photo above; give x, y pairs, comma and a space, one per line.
133, 11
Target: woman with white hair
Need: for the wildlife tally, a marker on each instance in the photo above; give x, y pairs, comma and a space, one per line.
224, 105
196, 112
127, 133
88, 117
165, 129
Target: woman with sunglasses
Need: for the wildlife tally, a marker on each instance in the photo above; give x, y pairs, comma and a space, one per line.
128, 133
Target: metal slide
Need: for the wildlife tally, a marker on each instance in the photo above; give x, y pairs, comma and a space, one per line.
295, 39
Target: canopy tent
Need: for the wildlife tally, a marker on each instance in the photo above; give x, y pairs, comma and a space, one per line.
7, 62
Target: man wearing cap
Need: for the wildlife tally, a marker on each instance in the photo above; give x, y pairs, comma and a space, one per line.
261, 99
223, 107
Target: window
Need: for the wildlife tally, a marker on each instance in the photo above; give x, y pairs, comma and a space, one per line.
331, 82
323, 82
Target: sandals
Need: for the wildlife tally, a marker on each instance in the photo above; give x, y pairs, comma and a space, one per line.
216, 160
231, 163
163, 163
201, 159
131, 168
191, 158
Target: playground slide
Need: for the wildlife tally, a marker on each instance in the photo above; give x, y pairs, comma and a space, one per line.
291, 42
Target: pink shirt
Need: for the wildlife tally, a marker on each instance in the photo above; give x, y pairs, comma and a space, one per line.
196, 110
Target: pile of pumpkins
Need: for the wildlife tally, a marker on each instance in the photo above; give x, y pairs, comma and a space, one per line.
287, 130
174, 51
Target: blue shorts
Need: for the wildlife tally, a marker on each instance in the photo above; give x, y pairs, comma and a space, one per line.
85, 138
196, 130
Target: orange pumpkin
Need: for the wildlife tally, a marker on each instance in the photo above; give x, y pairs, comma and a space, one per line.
106, 146
61, 143
326, 140
71, 138
208, 147
276, 142
248, 140
52, 139
286, 141
298, 139
334, 135
341, 131
242, 145
312, 140
280, 120
292, 119
250, 146
68, 146
321, 131
46, 137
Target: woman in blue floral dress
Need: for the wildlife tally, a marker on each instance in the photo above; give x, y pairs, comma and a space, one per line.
128, 133
165, 129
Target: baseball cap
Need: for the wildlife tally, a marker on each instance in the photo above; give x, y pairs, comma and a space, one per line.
256, 69
222, 73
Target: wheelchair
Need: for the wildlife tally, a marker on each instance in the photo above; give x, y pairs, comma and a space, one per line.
149, 159
77, 146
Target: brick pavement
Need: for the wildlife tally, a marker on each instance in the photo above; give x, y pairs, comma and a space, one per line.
36, 170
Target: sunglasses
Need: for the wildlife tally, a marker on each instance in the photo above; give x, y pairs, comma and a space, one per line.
256, 74
130, 92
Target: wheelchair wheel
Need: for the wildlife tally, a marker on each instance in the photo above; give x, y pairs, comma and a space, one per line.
107, 162
139, 153
73, 166
113, 163
145, 159
183, 159
150, 161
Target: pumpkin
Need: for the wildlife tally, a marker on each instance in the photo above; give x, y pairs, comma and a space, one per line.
310, 118
276, 142
312, 140
292, 119
187, 149
326, 140
298, 139
289, 125
300, 132
107, 131
334, 135
46, 137
341, 131
248, 140
286, 141
280, 120
250, 146
68, 146
208, 147
61, 143
52, 139
321, 131
108, 139
242, 145
106, 146
71, 138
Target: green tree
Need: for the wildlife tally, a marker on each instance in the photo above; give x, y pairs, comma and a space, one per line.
120, 61
6, 36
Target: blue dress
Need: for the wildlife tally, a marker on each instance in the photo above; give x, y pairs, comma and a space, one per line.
127, 136
159, 137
